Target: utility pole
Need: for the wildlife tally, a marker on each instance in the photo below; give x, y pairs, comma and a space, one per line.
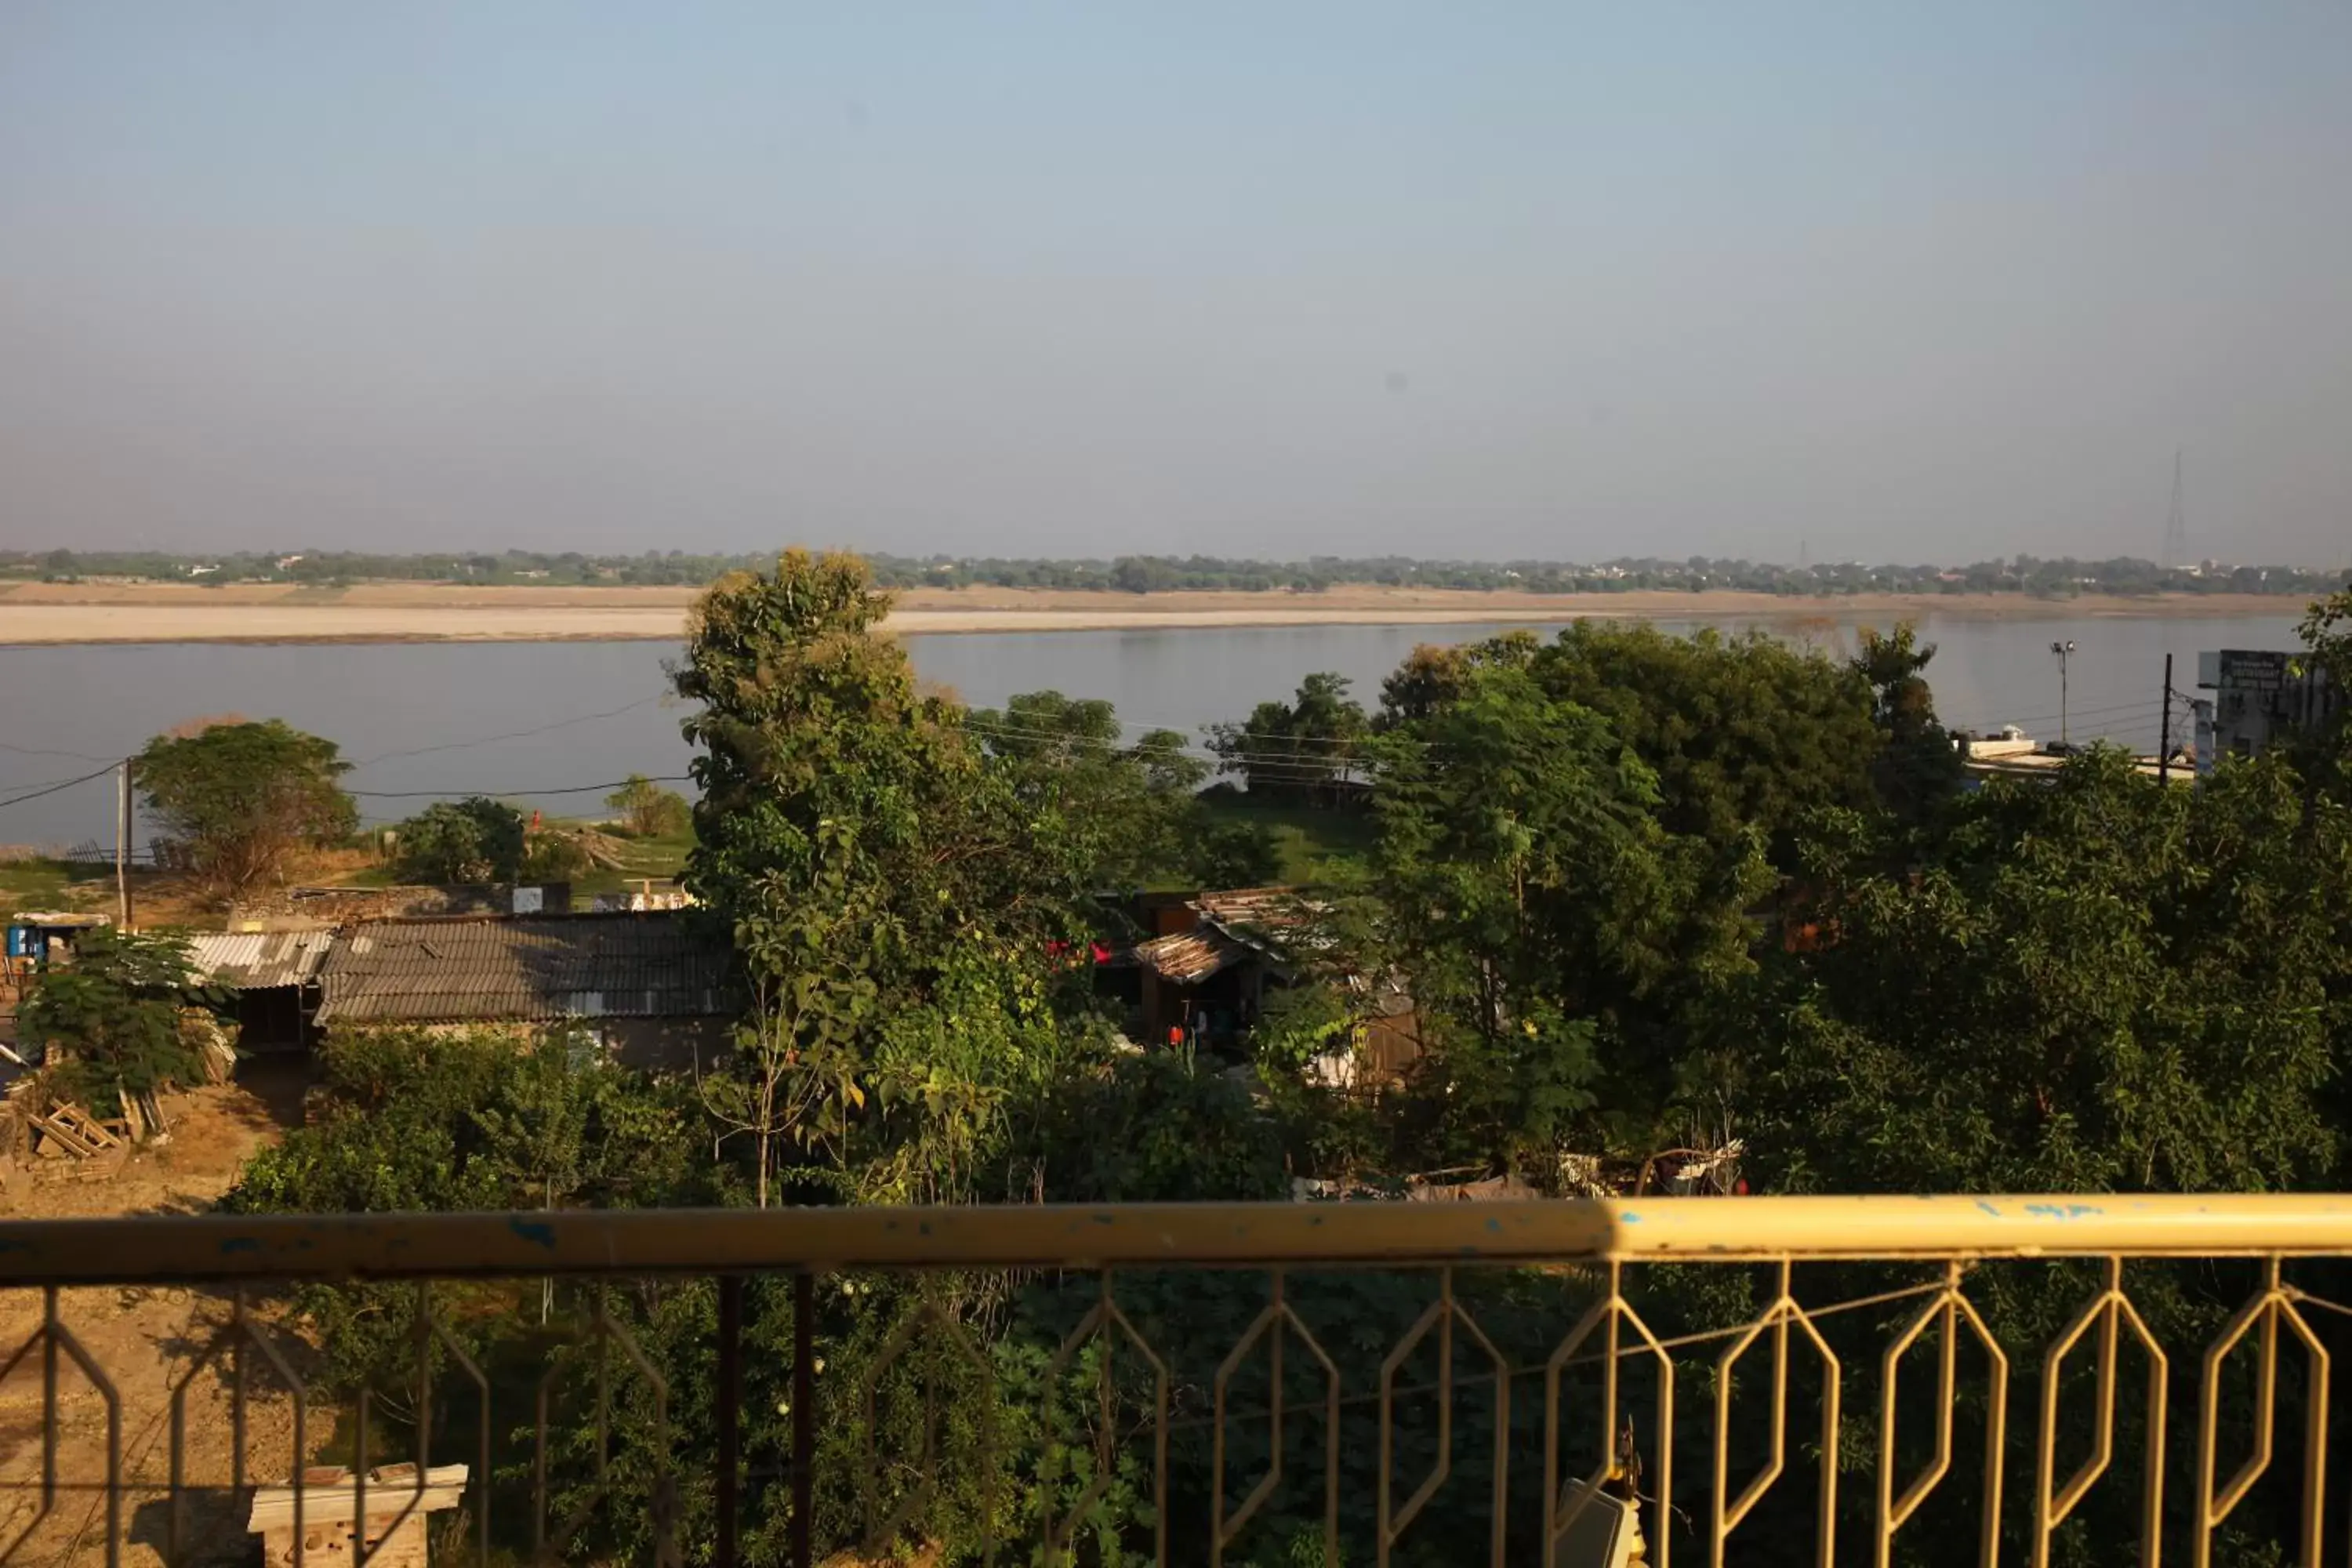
2065, 650
2163, 745
122, 844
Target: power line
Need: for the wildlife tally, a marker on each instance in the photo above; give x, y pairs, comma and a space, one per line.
2116, 713
44, 751
510, 734
52, 789
446, 794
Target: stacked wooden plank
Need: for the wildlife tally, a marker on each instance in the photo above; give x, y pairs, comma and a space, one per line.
397, 1509
69, 1130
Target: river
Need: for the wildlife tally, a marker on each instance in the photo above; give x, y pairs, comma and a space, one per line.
534, 721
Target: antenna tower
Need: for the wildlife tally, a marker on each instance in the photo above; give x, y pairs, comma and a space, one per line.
2176, 526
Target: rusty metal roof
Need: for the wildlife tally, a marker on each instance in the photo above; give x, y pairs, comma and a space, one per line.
1267, 907
1189, 957
259, 961
651, 966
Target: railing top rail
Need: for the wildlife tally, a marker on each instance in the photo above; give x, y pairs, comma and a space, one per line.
143, 1250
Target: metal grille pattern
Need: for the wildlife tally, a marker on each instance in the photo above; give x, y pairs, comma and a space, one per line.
1814, 1410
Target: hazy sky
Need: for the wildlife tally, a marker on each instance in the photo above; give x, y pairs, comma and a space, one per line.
1897, 280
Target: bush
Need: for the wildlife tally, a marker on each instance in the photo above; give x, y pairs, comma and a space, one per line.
477, 840
109, 1023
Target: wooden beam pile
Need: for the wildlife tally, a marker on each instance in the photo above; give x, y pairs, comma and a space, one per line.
397, 1509
69, 1130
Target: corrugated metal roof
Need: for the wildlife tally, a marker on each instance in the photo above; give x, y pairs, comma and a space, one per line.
1189, 957
1265, 907
258, 960
532, 970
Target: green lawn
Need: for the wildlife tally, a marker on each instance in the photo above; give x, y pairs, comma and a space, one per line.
661, 859
1316, 845
28, 885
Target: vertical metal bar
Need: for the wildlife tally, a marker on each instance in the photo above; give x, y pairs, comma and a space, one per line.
2164, 743
236, 1404
730, 1416
50, 1398
424, 1396
302, 1458
359, 1475
803, 1412
123, 842
1273, 1399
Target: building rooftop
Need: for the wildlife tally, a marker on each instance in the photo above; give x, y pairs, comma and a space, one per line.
652, 965
257, 961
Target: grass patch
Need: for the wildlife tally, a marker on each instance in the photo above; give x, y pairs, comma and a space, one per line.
658, 858
51, 885
1318, 845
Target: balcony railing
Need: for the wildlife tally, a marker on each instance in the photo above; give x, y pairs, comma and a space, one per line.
1841, 1380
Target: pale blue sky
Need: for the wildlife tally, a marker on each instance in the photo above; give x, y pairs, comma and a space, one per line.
1893, 280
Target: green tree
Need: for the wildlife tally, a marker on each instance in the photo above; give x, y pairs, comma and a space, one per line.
1555, 936
2095, 983
1744, 734
1432, 675
473, 840
2326, 633
1126, 811
1918, 766
647, 810
107, 1025
235, 800
1142, 574
416, 1120
864, 852
1289, 750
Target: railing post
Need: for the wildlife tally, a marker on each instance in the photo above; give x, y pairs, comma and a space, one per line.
730, 1417
803, 1412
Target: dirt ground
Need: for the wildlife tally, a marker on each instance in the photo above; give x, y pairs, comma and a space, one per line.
427, 612
145, 1341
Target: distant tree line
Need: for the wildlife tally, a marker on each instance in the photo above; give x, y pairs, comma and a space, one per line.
2061, 578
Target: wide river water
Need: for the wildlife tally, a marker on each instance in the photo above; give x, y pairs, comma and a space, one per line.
528, 720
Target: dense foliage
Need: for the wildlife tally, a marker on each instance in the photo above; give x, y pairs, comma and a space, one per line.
1627, 893
107, 1025
1133, 811
481, 840
647, 810
235, 800
1296, 750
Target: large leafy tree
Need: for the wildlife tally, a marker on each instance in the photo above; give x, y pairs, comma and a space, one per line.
864, 848
1288, 750
235, 800
1744, 733
2327, 632
647, 810
2089, 985
1917, 767
1554, 934
1128, 809
473, 840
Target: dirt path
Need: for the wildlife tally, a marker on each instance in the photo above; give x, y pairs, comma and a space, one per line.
144, 1340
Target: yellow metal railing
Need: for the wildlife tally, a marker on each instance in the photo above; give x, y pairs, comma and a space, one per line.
1814, 1357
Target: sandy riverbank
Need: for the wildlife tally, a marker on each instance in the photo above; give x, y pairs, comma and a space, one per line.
42, 613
